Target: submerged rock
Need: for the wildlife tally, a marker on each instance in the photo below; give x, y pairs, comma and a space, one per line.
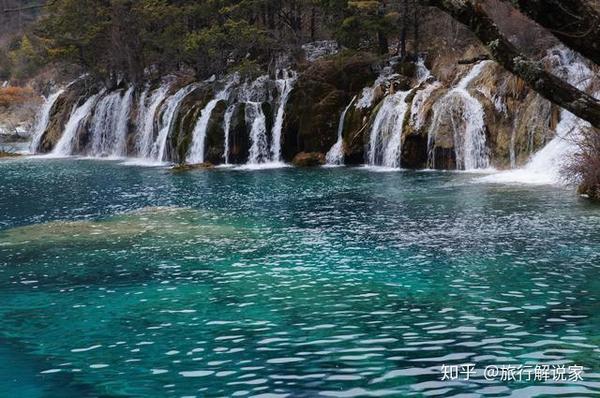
187, 167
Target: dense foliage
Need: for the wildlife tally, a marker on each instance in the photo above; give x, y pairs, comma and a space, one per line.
131, 37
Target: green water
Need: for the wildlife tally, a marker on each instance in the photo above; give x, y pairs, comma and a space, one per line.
128, 281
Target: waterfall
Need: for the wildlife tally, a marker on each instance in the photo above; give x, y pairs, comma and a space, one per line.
64, 147
335, 156
146, 117
422, 72
167, 120
385, 142
469, 140
102, 126
545, 166
285, 86
226, 128
122, 125
43, 120
259, 152
196, 152
417, 112
108, 128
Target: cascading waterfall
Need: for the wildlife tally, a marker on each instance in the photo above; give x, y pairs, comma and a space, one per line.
259, 150
469, 141
226, 128
196, 152
285, 86
545, 166
146, 117
108, 128
43, 120
123, 124
417, 113
64, 147
335, 156
167, 120
422, 72
385, 142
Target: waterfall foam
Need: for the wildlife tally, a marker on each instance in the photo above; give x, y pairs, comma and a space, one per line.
64, 147
385, 142
467, 120
43, 120
335, 156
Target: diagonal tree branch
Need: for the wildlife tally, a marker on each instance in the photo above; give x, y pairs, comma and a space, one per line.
506, 54
576, 23
31, 7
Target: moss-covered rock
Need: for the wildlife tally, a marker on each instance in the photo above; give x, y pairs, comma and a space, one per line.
77, 94
321, 93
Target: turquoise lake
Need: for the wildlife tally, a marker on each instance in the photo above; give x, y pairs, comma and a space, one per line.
125, 281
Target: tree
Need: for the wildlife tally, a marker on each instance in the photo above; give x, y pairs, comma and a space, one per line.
506, 54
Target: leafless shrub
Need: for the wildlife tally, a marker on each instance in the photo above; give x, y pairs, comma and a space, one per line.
583, 167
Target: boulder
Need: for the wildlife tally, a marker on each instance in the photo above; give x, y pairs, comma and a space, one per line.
309, 159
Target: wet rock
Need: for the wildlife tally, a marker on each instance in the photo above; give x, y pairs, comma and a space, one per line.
309, 159
239, 136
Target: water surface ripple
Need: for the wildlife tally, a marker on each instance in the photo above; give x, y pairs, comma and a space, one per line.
131, 281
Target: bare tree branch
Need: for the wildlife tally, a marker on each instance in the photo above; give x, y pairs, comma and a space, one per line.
506, 54
576, 23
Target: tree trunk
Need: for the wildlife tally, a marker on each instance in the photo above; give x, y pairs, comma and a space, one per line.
576, 23
506, 54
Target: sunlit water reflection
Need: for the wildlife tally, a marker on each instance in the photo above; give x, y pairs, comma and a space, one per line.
133, 281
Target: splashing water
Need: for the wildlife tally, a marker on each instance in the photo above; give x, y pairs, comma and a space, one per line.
167, 120
43, 120
385, 143
467, 119
335, 156
64, 147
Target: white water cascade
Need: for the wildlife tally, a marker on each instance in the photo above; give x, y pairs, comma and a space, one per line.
64, 147
109, 123
167, 120
146, 117
285, 86
545, 166
335, 156
226, 128
467, 120
43, 120
385, 142
259, 150
196, 152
